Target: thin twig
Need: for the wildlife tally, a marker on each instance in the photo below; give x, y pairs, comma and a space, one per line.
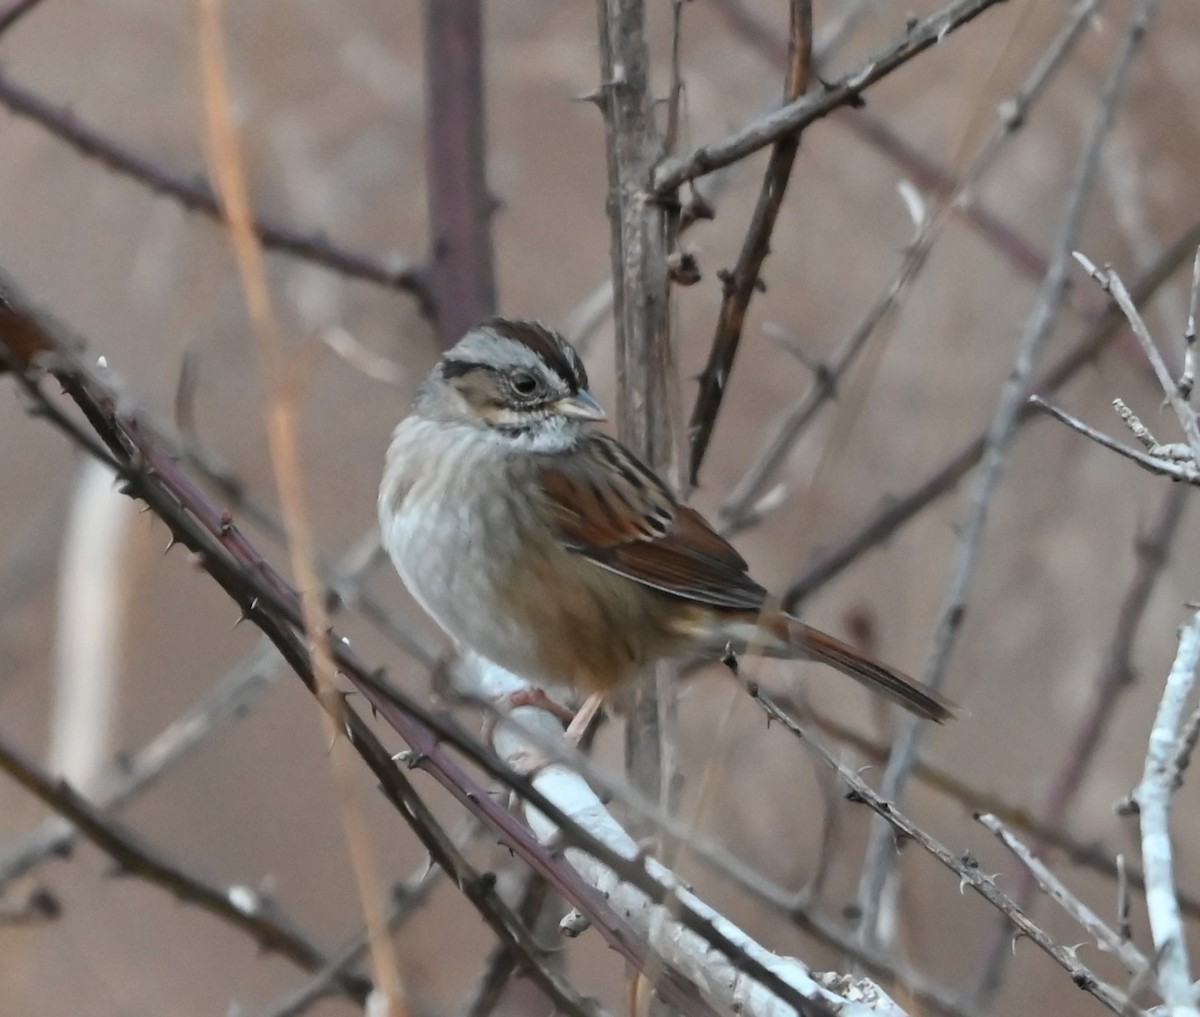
743, 280
964, 867
794, 116
240, 907
1114, 287
196, 194
741, 502
896, 511
1108, 938
1188, 378
1153, 799
1188, 472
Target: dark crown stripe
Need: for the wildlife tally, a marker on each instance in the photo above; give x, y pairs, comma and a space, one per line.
551, 347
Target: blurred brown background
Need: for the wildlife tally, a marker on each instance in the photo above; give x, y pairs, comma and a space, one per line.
332, 115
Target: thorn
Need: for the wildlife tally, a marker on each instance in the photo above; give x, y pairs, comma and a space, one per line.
595, 97
170, 544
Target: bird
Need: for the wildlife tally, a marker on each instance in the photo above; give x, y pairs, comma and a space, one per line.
546, 546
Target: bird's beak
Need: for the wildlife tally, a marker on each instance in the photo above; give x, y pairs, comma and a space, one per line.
581, 406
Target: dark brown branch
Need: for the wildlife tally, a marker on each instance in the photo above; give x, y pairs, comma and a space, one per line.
897, 511
223, 551
461, 275
797, 115
741, 283
196, 194
257, 918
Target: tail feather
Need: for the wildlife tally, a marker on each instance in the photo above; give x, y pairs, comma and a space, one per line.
780, 635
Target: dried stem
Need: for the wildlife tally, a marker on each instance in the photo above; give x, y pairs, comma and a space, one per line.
279, 412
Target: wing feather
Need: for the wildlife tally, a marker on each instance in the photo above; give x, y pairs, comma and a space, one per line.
613, 510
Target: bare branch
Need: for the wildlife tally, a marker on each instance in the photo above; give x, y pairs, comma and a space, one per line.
899, 510
196, 195
965, 867
1185, 471
741, 283
241, 907
1112, 285
799, 114
1109, 939
1153, 799
461, 272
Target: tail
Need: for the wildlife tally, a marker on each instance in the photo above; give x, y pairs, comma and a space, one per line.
780, 635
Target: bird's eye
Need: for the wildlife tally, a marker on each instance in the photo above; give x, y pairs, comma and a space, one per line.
524, 383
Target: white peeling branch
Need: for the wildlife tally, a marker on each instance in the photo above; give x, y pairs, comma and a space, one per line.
1153, 799
521, 740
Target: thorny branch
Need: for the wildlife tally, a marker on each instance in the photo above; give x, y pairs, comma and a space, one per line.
241, 907
221, 548
965, 867
743, 280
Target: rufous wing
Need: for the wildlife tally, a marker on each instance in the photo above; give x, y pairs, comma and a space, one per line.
613, 510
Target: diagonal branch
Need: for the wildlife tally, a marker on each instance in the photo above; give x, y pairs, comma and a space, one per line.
196, 194
895, 512
241, 907
741, 283
795, 116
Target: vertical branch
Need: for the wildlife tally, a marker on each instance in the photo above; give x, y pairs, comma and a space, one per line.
461, 272
881, 850
1153, 799
741, 283
639, 246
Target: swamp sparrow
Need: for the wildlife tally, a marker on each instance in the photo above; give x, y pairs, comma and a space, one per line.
548, 548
